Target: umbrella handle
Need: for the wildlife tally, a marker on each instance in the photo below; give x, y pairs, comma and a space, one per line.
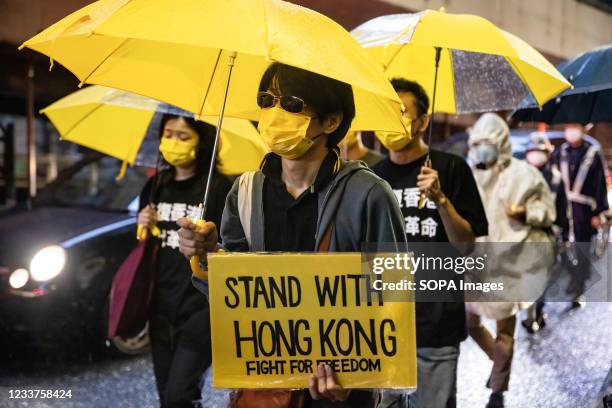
142, 233
194, 261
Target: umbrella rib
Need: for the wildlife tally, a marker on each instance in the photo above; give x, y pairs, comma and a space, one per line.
210, 83
402, 33
395, 55
103, 61
522, 78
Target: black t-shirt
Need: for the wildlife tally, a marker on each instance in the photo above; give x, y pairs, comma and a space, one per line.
457, 183
175, 299
291, 223
438, 324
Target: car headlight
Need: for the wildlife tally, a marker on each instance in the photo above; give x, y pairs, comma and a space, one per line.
48, 263
19, 278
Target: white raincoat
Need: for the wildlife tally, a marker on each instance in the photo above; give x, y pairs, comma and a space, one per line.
522, 267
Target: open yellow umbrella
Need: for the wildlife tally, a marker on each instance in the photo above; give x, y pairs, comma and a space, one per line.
179, 52
471, 63
208, 55
481, 67
115, 123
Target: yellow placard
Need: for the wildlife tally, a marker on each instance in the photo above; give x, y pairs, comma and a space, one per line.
274, 317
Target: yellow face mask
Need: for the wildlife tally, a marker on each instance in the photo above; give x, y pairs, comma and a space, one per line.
284, 133
178, 153
396, 141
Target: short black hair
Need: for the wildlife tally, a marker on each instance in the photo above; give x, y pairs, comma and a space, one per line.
404, 85
206, 134
322, 94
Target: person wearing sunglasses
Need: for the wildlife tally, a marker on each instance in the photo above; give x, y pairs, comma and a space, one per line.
305, 198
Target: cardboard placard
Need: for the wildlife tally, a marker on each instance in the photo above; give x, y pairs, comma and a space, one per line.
274, 317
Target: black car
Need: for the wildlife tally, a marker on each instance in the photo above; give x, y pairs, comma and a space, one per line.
58, 258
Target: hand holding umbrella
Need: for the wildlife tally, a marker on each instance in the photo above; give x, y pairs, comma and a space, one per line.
483, 68
428, 183
137, 45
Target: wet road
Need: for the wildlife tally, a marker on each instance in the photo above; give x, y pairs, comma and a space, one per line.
568, 364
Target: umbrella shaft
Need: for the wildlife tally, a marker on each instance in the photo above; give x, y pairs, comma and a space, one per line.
433, 99
232, 58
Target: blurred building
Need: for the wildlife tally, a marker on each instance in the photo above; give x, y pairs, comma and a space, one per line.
560, 29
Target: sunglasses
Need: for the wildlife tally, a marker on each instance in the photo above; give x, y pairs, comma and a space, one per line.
291, 104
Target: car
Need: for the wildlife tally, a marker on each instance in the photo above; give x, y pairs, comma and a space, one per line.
58, 258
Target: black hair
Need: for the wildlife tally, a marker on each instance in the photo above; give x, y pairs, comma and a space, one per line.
323, 95
404, 85
206, 134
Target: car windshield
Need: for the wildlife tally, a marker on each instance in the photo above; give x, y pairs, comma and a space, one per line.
91, 182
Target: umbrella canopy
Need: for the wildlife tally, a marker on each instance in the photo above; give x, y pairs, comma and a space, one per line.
590, 99
125, 126
208, 56
481, 67
179, 51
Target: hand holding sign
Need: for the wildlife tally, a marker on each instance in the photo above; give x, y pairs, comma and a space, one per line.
324, 385
284, 321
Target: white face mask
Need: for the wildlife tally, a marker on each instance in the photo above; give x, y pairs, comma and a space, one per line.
536, 158
483, 154
573, 135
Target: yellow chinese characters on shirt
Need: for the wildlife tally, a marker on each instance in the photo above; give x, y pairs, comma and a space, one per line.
275, 317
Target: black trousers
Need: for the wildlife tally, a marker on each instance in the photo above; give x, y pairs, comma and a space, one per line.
177, 364
578, 265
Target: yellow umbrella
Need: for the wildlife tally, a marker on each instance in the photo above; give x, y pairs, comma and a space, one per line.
208, 55
115, 123
474, 65
481, 67
179, 51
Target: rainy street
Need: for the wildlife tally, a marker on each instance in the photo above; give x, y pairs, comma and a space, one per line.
566, 365
347, 203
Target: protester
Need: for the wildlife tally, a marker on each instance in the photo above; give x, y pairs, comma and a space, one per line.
179, 325
305, 198
584, 201
352, 148
520, 209
539, 154
453, 213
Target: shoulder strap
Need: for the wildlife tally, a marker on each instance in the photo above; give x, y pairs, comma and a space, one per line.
584, 169
245, 192
573, 192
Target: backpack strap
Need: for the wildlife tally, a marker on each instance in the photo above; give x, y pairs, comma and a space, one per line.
245, 202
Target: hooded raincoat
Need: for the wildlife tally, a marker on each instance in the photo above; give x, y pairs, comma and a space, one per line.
519, 251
